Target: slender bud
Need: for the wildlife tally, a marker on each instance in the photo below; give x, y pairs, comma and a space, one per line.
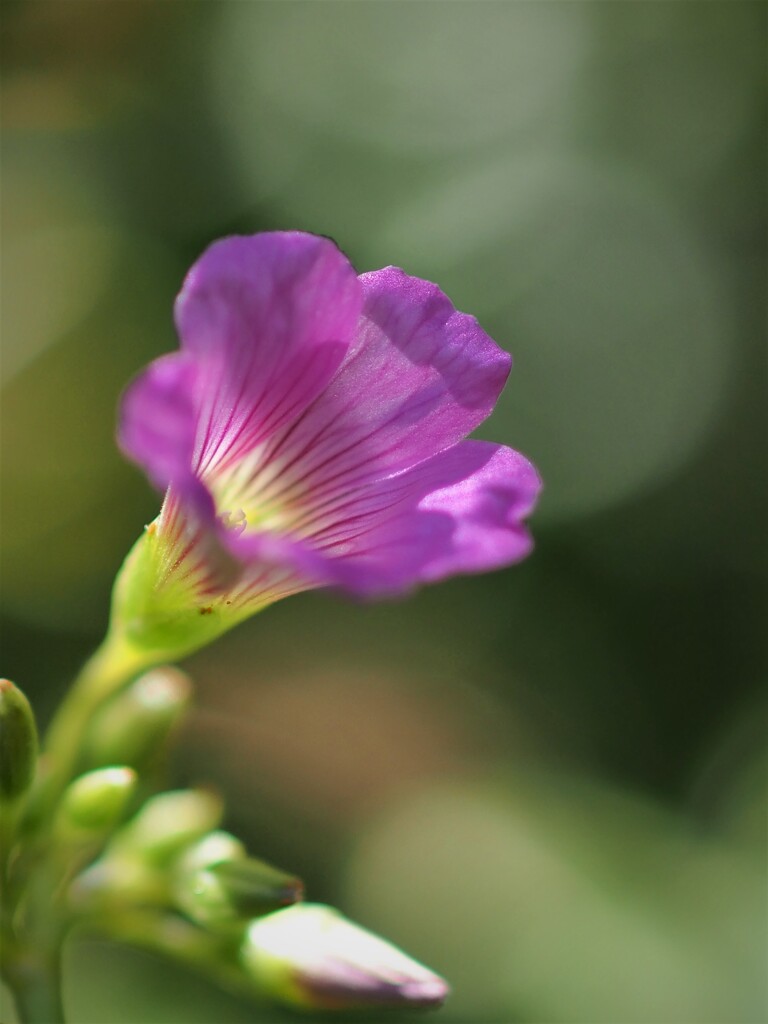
134, 725
167, 824
93, 803
192, 887
232, 892
255, 887
312, 957
18, 743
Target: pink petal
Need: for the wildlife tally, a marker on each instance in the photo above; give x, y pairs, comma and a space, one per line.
158, 419
418, 378
268, 318
461, 511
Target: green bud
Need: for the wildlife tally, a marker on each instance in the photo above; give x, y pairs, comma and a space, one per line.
231, 892
134, 725
255, 887
191, 887
312, 957
18, 743
212, 849
167, 824
117, 881
93, 804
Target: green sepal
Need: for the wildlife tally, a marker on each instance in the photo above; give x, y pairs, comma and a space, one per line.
254, 887
231, 893
158, 612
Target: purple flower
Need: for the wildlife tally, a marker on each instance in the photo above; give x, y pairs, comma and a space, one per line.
310, 432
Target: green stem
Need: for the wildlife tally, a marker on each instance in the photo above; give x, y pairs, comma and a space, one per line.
112, 666
172, 936
33, 930
35, 981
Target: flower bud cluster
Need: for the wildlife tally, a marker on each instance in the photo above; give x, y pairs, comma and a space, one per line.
160, 872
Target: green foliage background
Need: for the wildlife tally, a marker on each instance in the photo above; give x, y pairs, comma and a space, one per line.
549, 784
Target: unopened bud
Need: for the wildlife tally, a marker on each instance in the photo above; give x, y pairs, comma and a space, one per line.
312, 957
232, 892
134, 725
167, 824
18, 743
113, 880
93, 803
212, 849
255, 887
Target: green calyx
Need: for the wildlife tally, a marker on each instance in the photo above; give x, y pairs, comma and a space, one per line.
156, 609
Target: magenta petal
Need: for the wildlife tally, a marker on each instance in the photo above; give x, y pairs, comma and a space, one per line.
426, 372
461, 511
268, 318
487, 502
424, 375
419, 377
158, 419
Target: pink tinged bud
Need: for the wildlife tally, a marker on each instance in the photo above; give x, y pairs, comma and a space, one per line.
312, 957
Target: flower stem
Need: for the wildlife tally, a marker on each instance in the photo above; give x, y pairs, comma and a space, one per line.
169, 935
35, 982
110, 668
33, 925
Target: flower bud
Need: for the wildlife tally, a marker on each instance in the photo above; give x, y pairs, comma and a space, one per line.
192, 889
133, 726
212, 849
114, 881
168, 823
312, 957
231, 892
93, 803
18, 743
255, 887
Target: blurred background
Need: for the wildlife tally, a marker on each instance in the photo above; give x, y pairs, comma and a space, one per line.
549, 783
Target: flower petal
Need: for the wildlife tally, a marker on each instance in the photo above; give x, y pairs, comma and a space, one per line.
269, 319
424, 373
419, 377
461, 511
158, 419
